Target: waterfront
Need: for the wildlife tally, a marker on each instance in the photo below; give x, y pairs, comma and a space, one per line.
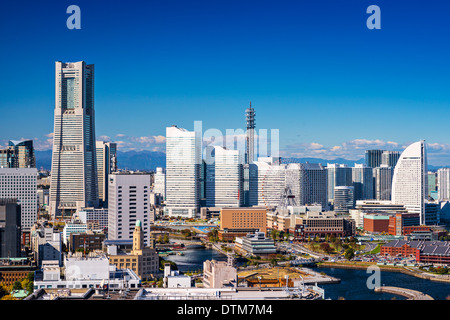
353, 285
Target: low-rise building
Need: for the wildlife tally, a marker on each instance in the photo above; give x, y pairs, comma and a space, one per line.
256, 244
321, 224
219, 274
238, 222
144, 261
84, 272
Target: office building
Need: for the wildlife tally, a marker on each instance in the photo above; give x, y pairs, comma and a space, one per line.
409, 183
362, 177
268, 177
106, 164
74, 164
129, 201
337, 175
18, 154
94, 218
10, 230
183, 161
21, 184
159, 182
373, 158
389, 158
443, 182
237, 222
224, 178
344, 199
46, 243
383, 182
256, 244
321, 224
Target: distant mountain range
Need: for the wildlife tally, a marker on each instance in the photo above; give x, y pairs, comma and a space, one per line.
150, 160
130, 160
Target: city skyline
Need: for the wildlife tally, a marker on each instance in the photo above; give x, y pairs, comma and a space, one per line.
312, 70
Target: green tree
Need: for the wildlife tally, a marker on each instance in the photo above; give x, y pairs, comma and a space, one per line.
349, 253
17, 285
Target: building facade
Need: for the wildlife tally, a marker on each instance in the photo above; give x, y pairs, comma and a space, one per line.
21, 184
129, 201
106, 164
183, 161
74, 164
224, 178
409, 183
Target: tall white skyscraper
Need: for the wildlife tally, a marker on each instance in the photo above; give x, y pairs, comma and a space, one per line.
21, 184
271, 181
74, 171
183, 161
224, 178
443, 177
106, 164
409, 183
159, 184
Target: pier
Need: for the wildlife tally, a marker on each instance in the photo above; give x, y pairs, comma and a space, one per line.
408, 293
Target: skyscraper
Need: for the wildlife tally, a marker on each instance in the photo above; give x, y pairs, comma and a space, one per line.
159, 184
309, 183
390, 158
106, 164
383, 182
129, 202
224, 178
443, 181
373, 158
362, 177
183, 161
74, 171
18, 154
409, 184
337, 175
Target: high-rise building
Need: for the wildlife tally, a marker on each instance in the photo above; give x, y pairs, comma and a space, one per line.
390, 158
270, 182
362, 177
344, 199
10, 230
74, 170
250, 146
224, 178
18, 154
443, 181
129, 201
309, 185
383, 182
159, 184
183, 161
106, 164
432, 185
373, 158
337, 175
409, 183
21, 184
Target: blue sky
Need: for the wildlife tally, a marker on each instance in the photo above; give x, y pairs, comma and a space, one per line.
312, 69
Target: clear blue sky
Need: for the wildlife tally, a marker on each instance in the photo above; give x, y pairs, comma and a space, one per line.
312, 69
